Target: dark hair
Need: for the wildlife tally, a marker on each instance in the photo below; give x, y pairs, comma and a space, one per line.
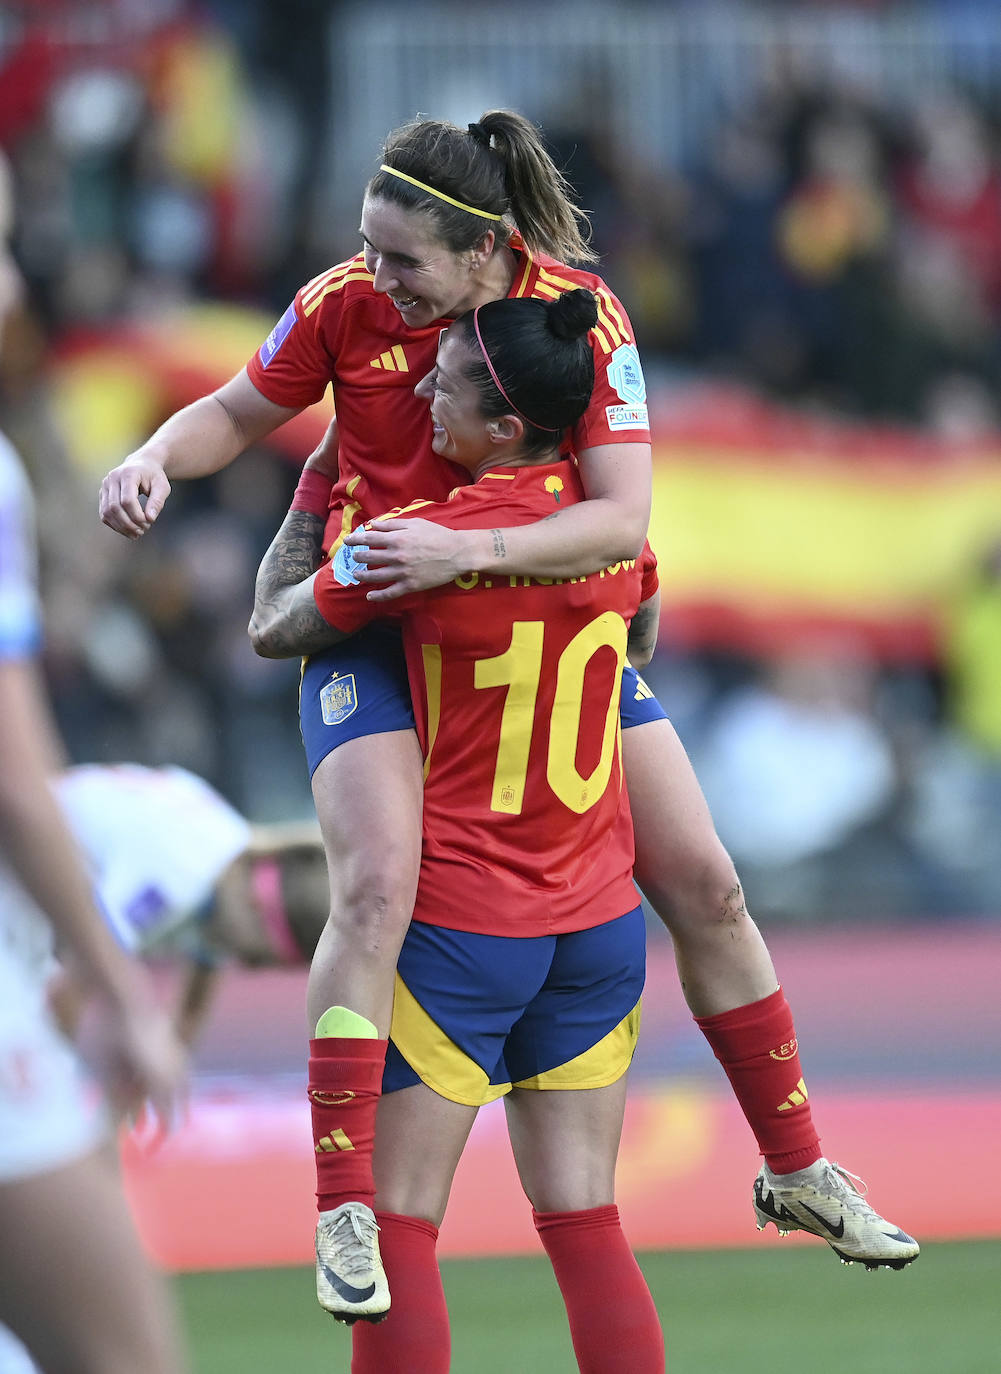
541, 357
499, 165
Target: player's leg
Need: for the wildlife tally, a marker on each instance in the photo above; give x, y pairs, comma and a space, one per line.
568, 1055
74, 1284
367, 785
76, 1287
730, 985
565, 1144
419, 1140
683, 869
726, 971
368, 799
368, 796
458, 994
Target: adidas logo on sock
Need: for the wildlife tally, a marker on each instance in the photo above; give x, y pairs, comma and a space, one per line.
336, 1140
796, 1098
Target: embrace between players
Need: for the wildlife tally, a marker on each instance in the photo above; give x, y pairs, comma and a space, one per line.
472, 659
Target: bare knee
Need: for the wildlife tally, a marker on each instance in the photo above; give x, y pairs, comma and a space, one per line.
372, 917
373, 888
700, 892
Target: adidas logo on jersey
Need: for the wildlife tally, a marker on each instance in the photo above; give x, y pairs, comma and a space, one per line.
393, 360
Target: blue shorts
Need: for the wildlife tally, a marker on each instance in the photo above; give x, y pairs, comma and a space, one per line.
360, 688
475, 1015
637, 704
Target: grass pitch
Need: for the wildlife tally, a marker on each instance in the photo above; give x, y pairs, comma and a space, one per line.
767, 1311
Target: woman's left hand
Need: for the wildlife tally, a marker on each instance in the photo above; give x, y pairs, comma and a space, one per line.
408, 556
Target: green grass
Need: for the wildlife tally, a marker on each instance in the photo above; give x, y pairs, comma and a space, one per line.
770, 1311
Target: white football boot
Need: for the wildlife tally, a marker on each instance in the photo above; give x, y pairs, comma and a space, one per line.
828, 1201
350, 1280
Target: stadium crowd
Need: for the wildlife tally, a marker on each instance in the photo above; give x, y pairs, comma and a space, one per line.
826, 245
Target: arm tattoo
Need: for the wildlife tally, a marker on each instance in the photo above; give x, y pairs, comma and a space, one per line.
295, 553
500, 548
284, 608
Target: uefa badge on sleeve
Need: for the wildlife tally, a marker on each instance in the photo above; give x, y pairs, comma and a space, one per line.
625, 375
338, 699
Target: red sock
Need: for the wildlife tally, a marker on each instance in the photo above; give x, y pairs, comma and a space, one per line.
758, 1049
414, 1338
345, 1084
613, 1320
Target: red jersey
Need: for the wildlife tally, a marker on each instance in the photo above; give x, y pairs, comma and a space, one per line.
338, 330
515, 682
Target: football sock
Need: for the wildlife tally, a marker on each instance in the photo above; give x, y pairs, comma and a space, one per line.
414, 1338
759, 1052
613, 1321
346, 1062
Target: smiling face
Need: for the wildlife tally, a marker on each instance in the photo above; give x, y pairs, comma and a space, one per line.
421, 275
461, 432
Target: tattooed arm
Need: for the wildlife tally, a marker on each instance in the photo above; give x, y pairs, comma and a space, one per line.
286, 620
643, 629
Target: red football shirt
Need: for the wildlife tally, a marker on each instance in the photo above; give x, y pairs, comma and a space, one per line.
338, 330
516, 683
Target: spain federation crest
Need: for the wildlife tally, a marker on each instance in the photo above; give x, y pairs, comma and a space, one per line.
338, 699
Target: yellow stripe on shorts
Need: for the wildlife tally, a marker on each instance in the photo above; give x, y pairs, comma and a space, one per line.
602, 1064
435, 1058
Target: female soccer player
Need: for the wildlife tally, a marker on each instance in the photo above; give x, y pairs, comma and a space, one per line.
74, 1283
522, 970
178, 872
438, 240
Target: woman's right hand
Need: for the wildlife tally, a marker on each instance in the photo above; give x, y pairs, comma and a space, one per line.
121, 505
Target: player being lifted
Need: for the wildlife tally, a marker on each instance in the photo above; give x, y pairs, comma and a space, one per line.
522, 970
456, 218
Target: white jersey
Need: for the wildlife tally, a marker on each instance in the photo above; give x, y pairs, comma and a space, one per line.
47, 1115
156, 842
25, 936
19, 613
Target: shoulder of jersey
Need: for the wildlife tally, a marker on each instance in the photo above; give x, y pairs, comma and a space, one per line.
345, 281
548, 279
499, 488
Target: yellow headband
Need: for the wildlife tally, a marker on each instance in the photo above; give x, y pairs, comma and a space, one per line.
422, 186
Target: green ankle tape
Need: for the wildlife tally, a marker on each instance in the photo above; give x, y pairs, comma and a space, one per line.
347, 1024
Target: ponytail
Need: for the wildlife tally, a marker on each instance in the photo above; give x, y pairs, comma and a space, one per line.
495, 173
541, 198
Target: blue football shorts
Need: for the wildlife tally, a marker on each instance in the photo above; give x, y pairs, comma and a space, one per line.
357, 688
360, 688
475, 1015
637, 704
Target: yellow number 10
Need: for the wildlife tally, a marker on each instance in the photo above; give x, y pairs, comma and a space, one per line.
519, 669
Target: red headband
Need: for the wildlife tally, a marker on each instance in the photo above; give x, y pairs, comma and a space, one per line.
497, 382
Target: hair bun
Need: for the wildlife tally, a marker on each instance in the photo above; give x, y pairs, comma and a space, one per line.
572, 314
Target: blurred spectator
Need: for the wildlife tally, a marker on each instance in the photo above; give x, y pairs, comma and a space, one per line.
957, 814
796, 763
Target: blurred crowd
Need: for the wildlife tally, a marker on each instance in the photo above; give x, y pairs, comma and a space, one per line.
825, 248
823, 245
